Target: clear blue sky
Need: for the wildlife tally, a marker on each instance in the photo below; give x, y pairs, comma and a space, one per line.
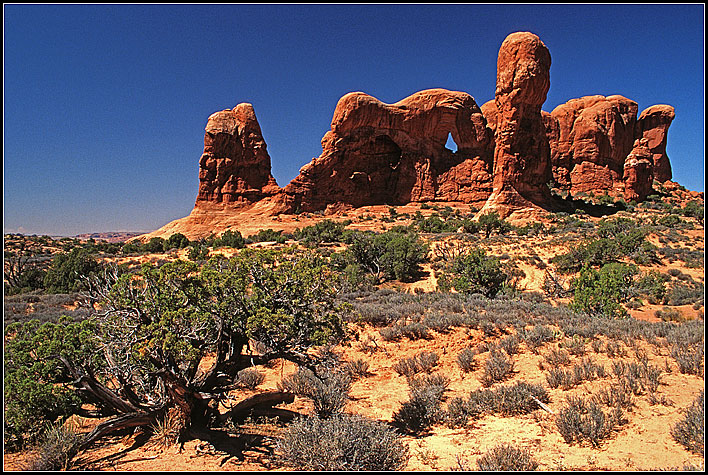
105, 105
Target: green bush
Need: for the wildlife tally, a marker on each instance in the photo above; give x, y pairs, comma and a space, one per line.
324, 231
36, 384
232, 239
694, 209
474, 273
268, 235
491, 222
68, 270
390, 255
156, 244
342, 442
176, 241
601, 292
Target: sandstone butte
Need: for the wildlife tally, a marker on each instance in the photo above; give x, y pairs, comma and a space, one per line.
508, 151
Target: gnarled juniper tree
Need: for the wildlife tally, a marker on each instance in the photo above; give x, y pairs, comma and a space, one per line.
173, 338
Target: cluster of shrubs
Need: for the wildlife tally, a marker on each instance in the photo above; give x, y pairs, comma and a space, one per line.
423, 409
690, 430
617, 239
585, 370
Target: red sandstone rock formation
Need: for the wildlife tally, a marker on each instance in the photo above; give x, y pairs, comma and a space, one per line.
235, 165
638, 171
521, 156
653, 124
593, 137
378, 153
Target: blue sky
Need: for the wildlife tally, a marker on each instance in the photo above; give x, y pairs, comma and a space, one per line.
105, 105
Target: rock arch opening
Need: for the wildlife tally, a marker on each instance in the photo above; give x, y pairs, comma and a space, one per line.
450, 144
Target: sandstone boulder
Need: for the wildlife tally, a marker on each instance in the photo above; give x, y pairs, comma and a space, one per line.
653, 125
235, 165
377, 153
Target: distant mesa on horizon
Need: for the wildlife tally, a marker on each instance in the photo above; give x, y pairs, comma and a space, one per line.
508, 151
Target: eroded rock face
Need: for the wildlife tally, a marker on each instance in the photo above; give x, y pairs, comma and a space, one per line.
522, 155
235, 165
639, 171
377, 153
653, 125
594, 135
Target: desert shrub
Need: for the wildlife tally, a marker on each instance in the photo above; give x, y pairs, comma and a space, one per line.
581, 420
685, 294
414, 331
652, 285
390, 255
689, 358
37, 387
669, 315
506, 457
557, 357
427, 360
587, 370
491, 222
424, 361
694, 209
474, 273
601, 292
342, 442
268, 235
574, 346
250, 378
465, 359
458, 413
638, 377
357, 368
617, 394
690, 430
614, 349
326, 230
498, 367
57, 448
422, 410
442, 323
434, 224
232, 239
328, 391
406, 367
670, 221
68, 270
560, 377
539, 335
514, 399
510, 344
393, 333
435, 383
175, 241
